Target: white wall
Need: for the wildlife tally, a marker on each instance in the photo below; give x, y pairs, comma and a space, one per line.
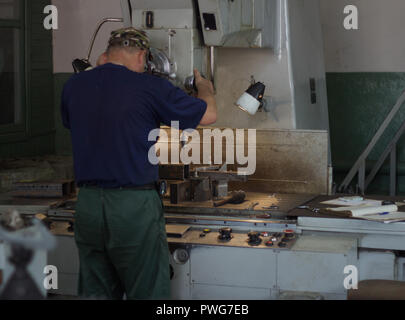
77, 22
378, 45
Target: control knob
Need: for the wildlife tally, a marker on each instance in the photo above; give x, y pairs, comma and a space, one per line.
225, 234
254, 238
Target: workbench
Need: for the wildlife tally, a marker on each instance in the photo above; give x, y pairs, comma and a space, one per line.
311, 267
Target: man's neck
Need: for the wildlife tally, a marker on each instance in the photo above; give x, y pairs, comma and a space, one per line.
116, 62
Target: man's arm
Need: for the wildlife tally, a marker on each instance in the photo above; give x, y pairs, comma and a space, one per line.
206, 93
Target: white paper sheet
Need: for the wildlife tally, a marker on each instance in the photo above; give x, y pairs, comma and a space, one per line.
337, 202
386, 218
360, 211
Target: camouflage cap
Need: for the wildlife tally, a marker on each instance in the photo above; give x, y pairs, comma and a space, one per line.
129, 37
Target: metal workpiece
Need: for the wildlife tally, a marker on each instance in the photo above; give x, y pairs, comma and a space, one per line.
161, 65
271, 206
240, 224
198, 185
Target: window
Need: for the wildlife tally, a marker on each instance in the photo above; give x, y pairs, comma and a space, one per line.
12, 75
9, 9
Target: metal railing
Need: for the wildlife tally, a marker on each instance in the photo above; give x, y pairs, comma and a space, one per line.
359, 167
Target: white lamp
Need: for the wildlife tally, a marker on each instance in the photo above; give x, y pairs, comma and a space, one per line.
252, 99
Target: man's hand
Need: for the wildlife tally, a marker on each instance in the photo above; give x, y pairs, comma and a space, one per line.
202, 83
206, 93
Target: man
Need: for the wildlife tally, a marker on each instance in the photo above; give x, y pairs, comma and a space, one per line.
119, 222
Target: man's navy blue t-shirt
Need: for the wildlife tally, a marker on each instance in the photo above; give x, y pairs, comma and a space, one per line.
110, 111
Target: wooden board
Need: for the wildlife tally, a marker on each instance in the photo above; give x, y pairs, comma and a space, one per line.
176, 231
287, 161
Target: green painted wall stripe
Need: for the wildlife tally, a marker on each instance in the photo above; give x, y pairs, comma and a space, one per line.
358, 104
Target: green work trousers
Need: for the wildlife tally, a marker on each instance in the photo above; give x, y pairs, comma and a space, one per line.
121, 238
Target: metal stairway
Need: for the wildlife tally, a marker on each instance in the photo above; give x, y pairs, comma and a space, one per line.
359, 167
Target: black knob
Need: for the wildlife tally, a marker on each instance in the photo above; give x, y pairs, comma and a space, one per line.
225, 234
254, 238
282, 244
269, 243
289, 233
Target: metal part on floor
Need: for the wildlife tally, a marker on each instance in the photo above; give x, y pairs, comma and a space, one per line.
44, 189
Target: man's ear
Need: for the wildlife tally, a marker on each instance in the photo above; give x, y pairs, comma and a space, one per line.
142, 57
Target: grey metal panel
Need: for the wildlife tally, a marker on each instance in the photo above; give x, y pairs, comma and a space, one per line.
327, 243
376, 265
239, 267
180, 283
297, 295
382, 241
316, 264
240, 23
165, 18
350, 225
311, 271
67, 284
216, 292
177, 14
400, 268
65, 256
159, 4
